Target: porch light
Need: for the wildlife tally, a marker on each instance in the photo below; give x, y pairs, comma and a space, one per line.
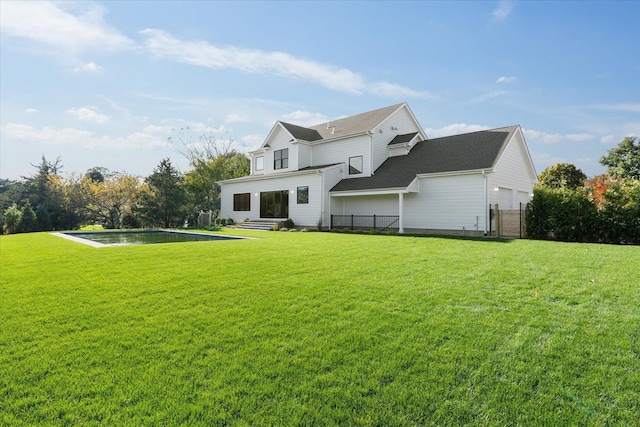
496, 189
255, 194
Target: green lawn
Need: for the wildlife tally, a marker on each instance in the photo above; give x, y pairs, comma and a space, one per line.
319, 329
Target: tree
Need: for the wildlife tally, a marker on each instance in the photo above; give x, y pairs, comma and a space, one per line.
562, 175
165, 202
212, 160
110, 200
12, 218
623, 161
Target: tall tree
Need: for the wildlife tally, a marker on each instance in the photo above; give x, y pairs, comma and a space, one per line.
211, 160
623, 161
562, 175
165, 203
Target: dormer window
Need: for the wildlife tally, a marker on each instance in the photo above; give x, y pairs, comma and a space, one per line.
260, 163
281, 159
355, 165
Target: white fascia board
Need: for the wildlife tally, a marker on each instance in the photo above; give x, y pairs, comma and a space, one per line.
453, 173
378, 192
250, 178
530, 160
337, 138
413, 117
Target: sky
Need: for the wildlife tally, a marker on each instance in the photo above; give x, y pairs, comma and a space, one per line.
125, 84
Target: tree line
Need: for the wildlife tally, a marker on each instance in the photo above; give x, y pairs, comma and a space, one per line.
47, 201
567, 206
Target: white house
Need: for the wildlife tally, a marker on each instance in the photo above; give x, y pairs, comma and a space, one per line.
381, 165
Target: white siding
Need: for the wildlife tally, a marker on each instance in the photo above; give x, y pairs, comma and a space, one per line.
371, 205
304, 156
399, 123
512, 172
447, 203
340, 151
280, 139
331, 177
303, 215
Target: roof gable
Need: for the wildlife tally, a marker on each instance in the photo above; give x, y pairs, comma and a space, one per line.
355, 124
456, 153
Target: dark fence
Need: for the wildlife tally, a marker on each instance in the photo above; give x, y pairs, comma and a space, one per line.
376, 222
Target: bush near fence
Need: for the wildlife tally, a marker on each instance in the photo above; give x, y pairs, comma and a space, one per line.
572, 215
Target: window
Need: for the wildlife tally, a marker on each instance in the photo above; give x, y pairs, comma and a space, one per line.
242, 202
355, 165
281, 159
303, 195
260, 163
274, 204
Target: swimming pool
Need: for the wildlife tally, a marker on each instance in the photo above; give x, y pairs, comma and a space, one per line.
139, 237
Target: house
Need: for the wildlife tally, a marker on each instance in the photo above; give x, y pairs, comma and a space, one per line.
378, 169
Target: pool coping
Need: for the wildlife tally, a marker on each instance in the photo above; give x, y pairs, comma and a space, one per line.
107, 245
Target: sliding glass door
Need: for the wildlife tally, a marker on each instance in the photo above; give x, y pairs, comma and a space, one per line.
274, 204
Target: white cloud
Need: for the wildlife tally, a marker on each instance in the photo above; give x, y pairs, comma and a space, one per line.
90, 67
631, 108
72, 27
201, 53
487, 96
31, 111
503, 11
505, 79
88, 115
252, 141
305, 118
77, 137
236, 118
554, 138
454, 129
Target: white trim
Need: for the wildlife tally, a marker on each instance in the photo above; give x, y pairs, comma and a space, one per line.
378, 192
276, 175
451, 173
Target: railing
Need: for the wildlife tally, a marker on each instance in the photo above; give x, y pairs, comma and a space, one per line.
376, 222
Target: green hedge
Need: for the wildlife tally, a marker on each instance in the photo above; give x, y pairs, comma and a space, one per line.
571, 215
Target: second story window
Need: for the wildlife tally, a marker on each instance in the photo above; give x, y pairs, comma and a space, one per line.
260, 163
281, 159
355, 165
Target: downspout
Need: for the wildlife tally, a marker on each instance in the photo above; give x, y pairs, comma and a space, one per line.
487, 214
370, 153
322, 201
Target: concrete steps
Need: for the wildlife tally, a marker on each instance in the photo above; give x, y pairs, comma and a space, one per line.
266, 225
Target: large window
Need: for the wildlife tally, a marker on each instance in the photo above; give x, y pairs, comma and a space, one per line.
355, 165
242, 202
274, 204
303, 195
260, 163
281, 159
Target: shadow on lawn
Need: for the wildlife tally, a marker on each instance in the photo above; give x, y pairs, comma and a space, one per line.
488, 239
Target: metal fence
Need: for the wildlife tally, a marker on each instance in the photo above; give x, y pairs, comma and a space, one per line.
376, 222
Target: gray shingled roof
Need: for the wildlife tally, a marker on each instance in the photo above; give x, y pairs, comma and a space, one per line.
341, 127
470, 151
399, 139
302, 133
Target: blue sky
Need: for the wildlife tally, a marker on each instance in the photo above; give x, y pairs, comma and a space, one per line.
107, 83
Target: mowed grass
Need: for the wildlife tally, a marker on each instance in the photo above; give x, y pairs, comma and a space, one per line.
319, 329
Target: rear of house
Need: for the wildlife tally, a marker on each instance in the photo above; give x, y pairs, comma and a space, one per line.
380, 169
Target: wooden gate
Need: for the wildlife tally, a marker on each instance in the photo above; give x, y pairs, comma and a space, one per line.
509, 222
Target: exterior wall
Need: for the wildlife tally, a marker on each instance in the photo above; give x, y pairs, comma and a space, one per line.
512, 173
386, 204
453, 203
304, 155
331, 177
340, 151
279, 140
303, 215
399, 123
